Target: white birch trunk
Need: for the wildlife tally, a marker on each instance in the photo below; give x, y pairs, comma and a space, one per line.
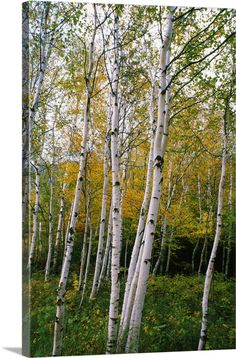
67, 232
59, 321
210, 268
107, 250
84, 248
50, 243
87, 263
139, 235
171, 192
98, 264
116, 217
159, 149
35, 217
173, 230
40, 238
59, 227
209, 215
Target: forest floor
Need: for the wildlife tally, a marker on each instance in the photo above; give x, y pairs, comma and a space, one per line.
171, 317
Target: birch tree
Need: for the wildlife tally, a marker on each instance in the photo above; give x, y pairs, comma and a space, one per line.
59, 322
116, 196
35, 216
210, 268
98, 264
159, 150
59, 226
105, 262
126, 308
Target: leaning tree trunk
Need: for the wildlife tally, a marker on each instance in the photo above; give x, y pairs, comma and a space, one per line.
59, 321
45, 52
35, 217
40, 238
116, 217
171, 191
59, 227
88, 243
210, 268
87, 263
159, 150
98, 264
84, 247
173, 230
126, 309
49, 257
107, 249
208, 219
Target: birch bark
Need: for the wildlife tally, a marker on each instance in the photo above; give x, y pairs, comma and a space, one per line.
171, 192
160, 143
35, 217
59, 227
208, 219
116, 214
50, 235
107, 249
50, 243
125, 315
88, 227
210, 268
84, 247
59, 321
98, 264
87, 263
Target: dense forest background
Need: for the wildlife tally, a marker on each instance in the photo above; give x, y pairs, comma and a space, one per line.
128, 178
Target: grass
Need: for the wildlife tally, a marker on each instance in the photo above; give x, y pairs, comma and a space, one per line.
171, 317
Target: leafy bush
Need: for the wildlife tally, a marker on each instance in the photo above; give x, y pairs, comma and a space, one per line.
171, 318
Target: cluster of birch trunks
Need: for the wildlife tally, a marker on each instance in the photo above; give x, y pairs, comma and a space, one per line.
177, 68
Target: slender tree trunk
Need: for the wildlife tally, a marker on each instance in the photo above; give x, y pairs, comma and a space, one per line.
59, 322
210, 268
125, 316
173, 230
89, 243
204, 248
50, 235
107, 249
35, 217
87, 263
40, 238
98, 264
116, 196
160, 260
67, 232
84, 247
171, 192
50, 243
159, 150
59, 227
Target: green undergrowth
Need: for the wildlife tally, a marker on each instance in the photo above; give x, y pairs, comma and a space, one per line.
171, 317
